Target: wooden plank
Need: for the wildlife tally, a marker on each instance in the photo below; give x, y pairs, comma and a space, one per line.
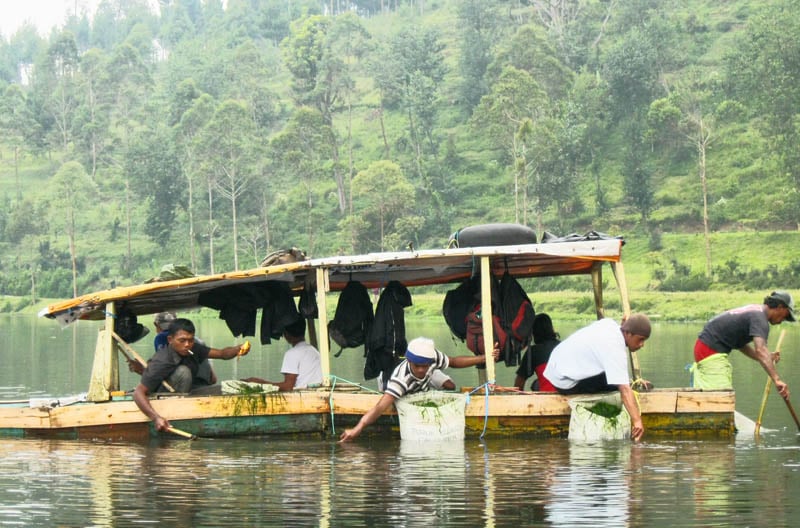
23, 417
509, 404
658, 402
354, 403
182, 408
700, 401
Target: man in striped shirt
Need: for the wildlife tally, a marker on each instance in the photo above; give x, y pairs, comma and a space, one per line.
412, 375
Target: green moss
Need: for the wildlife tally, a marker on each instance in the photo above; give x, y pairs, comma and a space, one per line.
606, 410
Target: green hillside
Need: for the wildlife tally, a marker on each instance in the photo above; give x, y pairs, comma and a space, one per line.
197, 135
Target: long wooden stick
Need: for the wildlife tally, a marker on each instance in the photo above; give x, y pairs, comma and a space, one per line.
126, 349
791, 410
619, 275
768, 387
179, 432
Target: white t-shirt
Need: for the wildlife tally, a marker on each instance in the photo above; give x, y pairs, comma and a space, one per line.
303, 360
592, 350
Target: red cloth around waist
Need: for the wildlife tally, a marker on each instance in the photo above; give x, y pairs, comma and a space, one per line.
702, 351
544, 383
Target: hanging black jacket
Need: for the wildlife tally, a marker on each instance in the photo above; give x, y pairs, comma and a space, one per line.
386, 342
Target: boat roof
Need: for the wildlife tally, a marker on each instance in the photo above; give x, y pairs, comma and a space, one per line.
411, 268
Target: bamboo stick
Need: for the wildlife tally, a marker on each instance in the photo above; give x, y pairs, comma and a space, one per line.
179, 432
767, 387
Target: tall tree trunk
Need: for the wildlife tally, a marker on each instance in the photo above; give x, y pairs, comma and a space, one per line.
338, 176
190, 212
386, 149
33, 284
73, 250
128, 229
267, 240
701, 151
235, 233
211, 229
16, 173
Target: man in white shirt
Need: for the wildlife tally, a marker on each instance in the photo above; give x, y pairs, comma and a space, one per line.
302, 366
593, 359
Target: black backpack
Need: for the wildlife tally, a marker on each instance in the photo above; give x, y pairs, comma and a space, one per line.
457, 304
517, 315
353, 317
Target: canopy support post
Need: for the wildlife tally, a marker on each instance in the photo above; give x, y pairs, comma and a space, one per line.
619, 275
105, 369
597, 287
486, 318
323, 287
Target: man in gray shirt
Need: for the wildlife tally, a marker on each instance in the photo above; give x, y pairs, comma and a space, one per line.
746, 329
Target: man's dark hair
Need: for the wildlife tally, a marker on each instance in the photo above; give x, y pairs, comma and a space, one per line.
180, 324
773, 303
297, 328
543, 328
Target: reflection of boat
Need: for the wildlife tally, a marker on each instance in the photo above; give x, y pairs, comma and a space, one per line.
104, 414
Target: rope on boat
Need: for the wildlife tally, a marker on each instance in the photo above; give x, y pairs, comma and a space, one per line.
485, 403
335, 378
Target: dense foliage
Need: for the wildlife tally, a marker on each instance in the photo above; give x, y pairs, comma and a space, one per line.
210, 135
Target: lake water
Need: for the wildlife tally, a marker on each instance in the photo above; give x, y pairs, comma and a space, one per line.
281, 481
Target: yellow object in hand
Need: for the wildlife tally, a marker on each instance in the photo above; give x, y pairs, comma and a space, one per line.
245, 348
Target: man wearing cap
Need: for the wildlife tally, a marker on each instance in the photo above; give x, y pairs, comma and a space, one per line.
161, 321
746, 329
413, 374
593, 359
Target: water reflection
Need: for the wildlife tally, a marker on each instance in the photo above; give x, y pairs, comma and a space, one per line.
502, 482
302, 482
593, 489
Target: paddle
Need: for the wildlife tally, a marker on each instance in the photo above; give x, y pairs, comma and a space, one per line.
768, 387
184, 434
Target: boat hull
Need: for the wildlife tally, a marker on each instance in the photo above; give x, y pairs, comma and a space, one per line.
665, 412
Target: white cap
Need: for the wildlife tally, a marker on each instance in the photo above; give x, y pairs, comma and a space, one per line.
421, 351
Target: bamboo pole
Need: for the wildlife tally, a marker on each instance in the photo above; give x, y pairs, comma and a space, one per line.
767, 387
323, 286
179, 432
486, 317
597, 288
619, 275
794, 414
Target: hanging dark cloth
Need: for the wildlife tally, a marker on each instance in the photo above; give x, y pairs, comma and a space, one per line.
237, 305
386, 343
279, 311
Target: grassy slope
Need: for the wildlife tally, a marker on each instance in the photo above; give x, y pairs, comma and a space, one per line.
741, 187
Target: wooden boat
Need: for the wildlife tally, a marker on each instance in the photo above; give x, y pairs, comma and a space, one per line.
106, 413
